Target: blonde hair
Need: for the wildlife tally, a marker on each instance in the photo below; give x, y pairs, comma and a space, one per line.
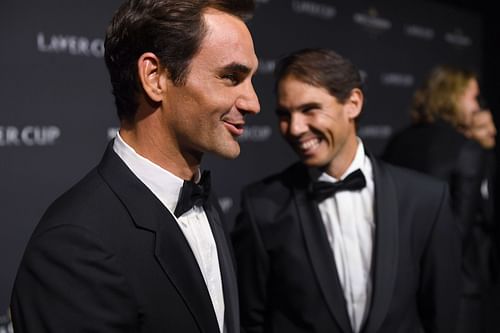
438, 98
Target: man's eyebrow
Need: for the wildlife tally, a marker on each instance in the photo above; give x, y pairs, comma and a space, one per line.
309, 105
301, 107
237, 67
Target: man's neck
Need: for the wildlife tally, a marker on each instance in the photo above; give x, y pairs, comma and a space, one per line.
341, 163
159, 150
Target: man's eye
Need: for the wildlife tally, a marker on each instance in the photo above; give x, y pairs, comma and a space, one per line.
232, 78
308, 109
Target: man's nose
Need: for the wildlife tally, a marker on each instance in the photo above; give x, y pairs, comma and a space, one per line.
248, 101
298, 124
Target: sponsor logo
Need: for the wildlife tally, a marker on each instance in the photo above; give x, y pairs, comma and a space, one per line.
375, 131
397, 79
29, 135
266, 66
73, 45
111, 132
372, 20
364, 75
253, 133
458, 38
419, 31
256, 133
226, 203
315, 9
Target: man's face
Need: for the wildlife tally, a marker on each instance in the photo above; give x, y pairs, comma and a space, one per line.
468, 102
319, 128
207, 113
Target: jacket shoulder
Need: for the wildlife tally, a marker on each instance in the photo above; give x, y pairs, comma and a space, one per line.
412, 181
283, 181
86, 203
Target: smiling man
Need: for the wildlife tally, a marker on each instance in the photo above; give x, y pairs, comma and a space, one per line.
139, 245
340, 241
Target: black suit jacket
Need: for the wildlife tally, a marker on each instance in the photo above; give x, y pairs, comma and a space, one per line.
441, 151
107, 256
286, 268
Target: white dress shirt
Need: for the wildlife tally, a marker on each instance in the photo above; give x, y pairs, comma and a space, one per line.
349, 223
193, 223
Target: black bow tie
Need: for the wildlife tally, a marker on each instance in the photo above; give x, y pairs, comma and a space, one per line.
321, 190
193, 194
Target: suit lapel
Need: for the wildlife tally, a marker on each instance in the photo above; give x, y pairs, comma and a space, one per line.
321, 256
171, 249
228, 274
385, 252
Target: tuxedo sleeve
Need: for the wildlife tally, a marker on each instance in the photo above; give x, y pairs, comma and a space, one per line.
465, 185
68, 282
440, 286
252, 266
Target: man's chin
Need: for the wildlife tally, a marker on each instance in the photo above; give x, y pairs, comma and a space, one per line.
228, 151
312, 162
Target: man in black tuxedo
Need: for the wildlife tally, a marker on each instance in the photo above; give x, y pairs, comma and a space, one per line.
342, 242
139, 245
452, 139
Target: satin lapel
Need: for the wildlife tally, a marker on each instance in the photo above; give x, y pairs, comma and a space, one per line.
172, 251
386, 244
321, 256
228, 274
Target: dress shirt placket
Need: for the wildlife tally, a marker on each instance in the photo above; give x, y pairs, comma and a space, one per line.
356, 290
197, 228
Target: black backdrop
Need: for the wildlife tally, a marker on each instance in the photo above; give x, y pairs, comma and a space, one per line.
57, 112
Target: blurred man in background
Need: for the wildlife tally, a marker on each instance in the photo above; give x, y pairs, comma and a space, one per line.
340, 241
452, 138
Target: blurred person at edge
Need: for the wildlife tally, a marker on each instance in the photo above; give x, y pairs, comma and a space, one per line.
140, 245
452, 138
341, 241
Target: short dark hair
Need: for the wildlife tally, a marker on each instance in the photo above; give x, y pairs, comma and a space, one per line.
321, 68
171, 29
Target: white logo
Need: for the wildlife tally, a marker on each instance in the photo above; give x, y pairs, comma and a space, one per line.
226, 203
256, 133
457, 38
29, 135
364, 75
314, 9
397, 79
419, 32
372, 20
73, 45
111, 132
375, 131
266, 66
250, 133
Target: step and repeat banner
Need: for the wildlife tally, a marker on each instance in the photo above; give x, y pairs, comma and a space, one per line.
57, 112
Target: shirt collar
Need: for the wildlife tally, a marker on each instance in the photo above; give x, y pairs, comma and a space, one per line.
360, 161
165, 185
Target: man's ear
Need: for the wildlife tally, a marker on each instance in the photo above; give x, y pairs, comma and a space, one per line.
150, 76
354, 103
